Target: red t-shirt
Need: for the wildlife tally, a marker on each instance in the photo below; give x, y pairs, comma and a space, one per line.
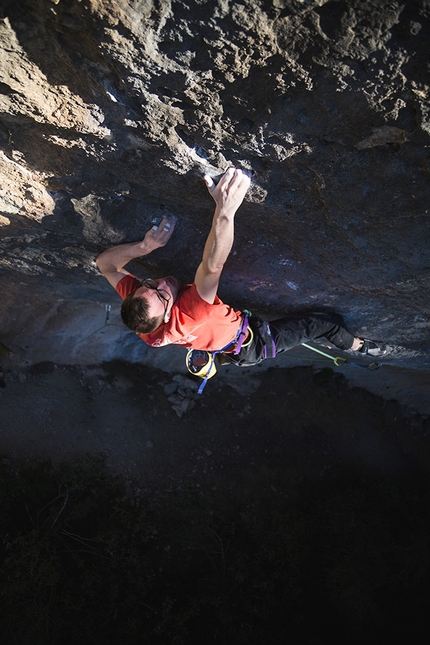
193, 322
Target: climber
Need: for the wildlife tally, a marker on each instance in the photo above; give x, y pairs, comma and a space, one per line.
162, 312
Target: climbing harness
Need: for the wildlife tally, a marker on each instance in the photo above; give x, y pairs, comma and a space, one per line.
202, 363
339, 361
268, 340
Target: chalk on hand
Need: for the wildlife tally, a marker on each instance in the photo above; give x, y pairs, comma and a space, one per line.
209, 182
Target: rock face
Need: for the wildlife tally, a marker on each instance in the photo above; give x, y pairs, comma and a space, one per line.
112, 110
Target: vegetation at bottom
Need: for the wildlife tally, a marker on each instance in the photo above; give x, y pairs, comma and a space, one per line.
85, 558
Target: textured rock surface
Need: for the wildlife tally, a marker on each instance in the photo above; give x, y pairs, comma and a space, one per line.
111, 111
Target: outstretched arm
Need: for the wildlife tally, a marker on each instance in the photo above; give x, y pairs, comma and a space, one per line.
228, 195
112, 261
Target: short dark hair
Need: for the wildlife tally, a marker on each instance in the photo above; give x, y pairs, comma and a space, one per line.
134, 314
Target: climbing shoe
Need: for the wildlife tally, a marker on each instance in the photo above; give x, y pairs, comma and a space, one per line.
373, 348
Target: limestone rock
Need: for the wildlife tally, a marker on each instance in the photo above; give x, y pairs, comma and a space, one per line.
111, 112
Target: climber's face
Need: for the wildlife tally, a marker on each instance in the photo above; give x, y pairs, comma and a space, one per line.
160, 295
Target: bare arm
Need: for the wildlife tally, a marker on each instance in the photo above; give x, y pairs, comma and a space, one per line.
228, 195
112, 261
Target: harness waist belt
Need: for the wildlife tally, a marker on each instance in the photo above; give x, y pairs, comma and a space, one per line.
242, 335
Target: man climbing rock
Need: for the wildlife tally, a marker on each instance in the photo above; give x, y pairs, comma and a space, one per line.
162, 312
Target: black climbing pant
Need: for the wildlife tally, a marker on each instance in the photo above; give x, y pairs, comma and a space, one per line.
281, 335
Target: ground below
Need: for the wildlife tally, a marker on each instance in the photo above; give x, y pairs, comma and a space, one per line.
263, 432
285, 504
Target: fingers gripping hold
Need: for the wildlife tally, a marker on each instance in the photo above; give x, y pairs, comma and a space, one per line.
231, 187
160, 234
209, 183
